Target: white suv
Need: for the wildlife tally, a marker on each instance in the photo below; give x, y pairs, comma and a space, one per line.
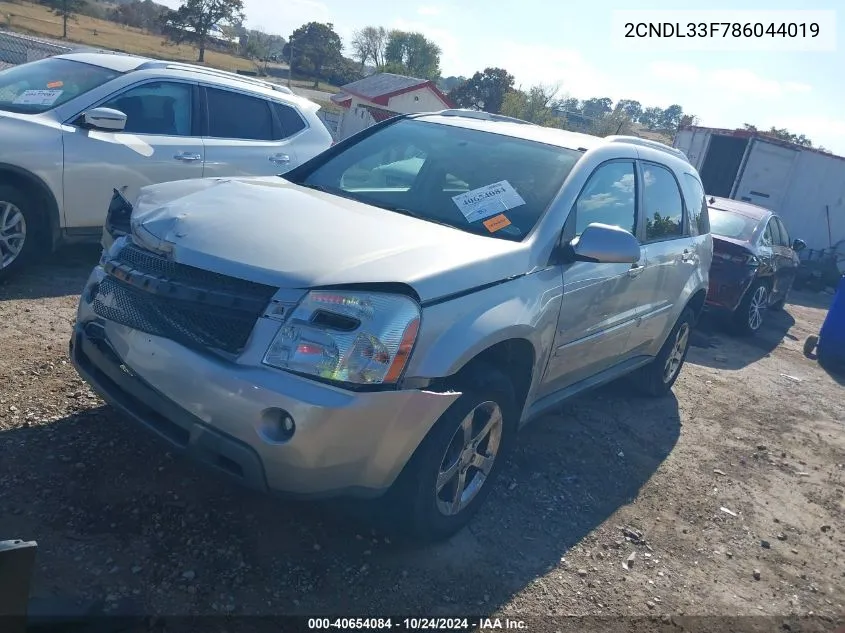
74, 128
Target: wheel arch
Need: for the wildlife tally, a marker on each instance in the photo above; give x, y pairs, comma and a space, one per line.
49, 231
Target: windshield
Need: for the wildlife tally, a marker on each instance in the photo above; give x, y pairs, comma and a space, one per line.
732, 225
43, 85
475, 181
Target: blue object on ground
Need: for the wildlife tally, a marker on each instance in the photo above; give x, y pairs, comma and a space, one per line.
831, 346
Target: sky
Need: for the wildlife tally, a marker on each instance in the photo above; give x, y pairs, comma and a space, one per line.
572, 44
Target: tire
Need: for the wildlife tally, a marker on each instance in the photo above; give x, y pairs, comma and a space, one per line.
422, 513
810, 345
749, 315
657, 378
18, 218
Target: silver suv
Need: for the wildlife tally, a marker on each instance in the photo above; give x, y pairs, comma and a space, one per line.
74, 128
384, 318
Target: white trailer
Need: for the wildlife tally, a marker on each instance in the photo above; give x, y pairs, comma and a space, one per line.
805, 186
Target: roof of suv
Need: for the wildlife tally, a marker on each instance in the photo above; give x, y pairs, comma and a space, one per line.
121, 63
532, 132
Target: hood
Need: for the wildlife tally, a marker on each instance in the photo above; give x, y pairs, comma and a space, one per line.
274, 232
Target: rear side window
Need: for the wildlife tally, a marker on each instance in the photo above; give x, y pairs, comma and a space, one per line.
609, 197
768, 235
664, 207
236, 116
773, 223
289, 120
696, 205
160, 107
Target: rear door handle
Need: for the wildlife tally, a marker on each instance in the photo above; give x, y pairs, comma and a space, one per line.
188, 157
280, 159
635, 270
688, 255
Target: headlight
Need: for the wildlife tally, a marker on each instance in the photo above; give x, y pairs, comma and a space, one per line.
356, 337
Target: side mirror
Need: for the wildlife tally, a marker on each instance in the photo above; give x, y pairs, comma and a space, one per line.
105, 119
605, 244
798, 245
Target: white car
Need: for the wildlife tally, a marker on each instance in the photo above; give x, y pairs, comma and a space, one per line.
75, 128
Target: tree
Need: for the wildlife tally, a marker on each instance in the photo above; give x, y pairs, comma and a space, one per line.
448, 84
484, 91
145, 14
534, 105
66, 9
651, 117
597, 107
368, 44
633, 109
195, 20
782, 134
688, 120
670, 118
313, 48
412, 54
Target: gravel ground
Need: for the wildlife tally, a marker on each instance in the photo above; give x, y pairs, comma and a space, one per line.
725, 499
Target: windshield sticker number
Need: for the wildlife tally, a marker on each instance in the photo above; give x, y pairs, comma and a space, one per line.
486, 201
496, 223
38, 97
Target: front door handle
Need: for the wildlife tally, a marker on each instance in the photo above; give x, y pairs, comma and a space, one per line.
635, 270
188, 157
280, 159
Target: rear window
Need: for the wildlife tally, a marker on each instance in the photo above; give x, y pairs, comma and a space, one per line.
475, 181
732, 225
48, 83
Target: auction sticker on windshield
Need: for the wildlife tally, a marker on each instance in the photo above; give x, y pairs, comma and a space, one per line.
38, 97
486, 201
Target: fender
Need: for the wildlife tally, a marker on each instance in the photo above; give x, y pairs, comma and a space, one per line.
455, 332
22, 177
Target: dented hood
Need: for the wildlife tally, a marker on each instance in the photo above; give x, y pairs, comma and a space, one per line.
274, 232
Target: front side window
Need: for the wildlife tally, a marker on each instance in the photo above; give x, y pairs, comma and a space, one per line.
472, 180
48, 83
664, 207
233, 115
160, 107
609, 197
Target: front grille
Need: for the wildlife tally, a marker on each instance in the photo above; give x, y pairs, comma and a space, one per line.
194, 307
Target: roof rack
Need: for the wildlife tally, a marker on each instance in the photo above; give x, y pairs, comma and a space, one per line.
481, 115
218, 73
644, 142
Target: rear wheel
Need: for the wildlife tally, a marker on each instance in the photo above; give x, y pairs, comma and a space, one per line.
17, 228
454, 468
656, 378
748, 317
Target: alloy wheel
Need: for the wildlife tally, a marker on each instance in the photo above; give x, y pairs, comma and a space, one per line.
469, 458
756, 308
12, 233
676, 355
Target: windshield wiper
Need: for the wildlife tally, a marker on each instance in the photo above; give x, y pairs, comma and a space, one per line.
413, 214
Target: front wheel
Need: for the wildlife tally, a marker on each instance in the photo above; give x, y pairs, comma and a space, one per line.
16, 239
656, 378
454, 468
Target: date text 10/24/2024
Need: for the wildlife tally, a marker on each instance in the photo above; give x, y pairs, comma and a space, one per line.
417, 624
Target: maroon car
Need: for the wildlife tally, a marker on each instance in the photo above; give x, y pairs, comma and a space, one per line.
754, 262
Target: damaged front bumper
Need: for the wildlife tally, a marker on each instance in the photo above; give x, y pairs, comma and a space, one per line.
237, 417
